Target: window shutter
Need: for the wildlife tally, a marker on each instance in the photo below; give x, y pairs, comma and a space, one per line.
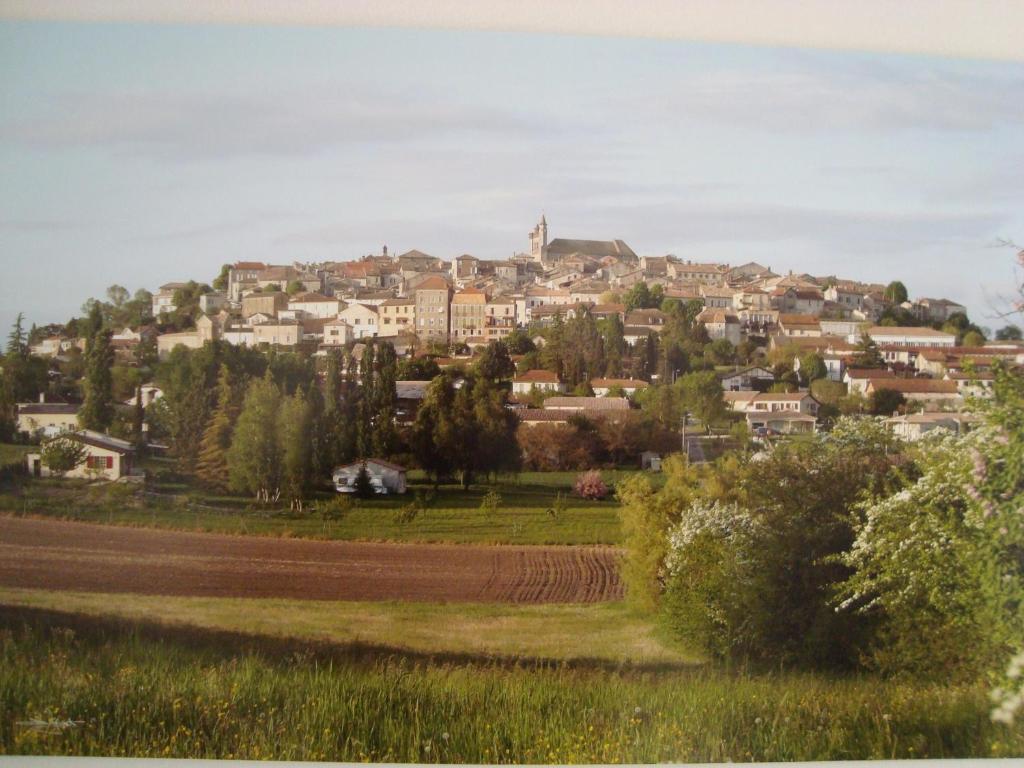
110, 462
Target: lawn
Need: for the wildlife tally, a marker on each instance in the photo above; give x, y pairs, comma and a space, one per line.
604, 632
534, 508
106, 687
13, 454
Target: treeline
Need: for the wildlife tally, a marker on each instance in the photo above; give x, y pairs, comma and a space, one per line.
274, 426
849, 550
583, 347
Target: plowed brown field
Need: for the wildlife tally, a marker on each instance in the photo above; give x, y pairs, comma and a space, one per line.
51, 554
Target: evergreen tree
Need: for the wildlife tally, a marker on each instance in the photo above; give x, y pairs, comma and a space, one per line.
212, 464
17, 345
362, 485
551, 354
254, 460
294, 447
97, 410
367, 401
386, 397
138, 419
614, 346
866, 354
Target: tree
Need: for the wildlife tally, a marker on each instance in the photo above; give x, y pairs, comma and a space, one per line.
866, 354
495, 363
62, 454
614, 346
702, 396
138, 420
647, 362
254, 461
1009, 333
366, 403
385, 397
886, 402
294, 425
362, 484
812, 368
519, 342
720, 352
896, 292
212, 464
418, 369
97, 410
118, 295
220, 282
973, 339
294, 287
16, 341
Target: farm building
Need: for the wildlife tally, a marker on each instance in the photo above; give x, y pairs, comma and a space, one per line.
385, 477
106, 457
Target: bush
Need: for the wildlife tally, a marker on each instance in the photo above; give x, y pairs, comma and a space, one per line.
589, 485
711, 579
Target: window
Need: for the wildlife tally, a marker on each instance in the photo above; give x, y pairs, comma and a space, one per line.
100, 462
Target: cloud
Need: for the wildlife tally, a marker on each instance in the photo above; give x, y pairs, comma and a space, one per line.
810, 96
189, 125
850, 232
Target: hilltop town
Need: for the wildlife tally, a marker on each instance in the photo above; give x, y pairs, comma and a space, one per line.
789, 352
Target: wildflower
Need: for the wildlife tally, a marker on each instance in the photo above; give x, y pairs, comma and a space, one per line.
758, 721
445, 735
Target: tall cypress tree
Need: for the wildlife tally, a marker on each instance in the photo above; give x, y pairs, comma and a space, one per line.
386, 397
365, 417
614, 346
97, 410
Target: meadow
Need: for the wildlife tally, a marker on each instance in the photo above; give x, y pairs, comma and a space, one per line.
534, 508
79, 685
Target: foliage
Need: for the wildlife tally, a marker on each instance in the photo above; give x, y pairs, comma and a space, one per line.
896, 292
491, 501
866, 354
362, 484
467, 431
294, 427
590, 485
886, 402
712, 578
212, 465
97, 411
254, 458
63, 453
495, 363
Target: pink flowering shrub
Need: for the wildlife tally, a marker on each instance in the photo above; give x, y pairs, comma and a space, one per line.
589, 485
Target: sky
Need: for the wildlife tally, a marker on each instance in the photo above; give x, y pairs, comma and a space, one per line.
142, 154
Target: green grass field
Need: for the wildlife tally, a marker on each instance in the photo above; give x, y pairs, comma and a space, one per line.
143, 690
529, 512
604, 632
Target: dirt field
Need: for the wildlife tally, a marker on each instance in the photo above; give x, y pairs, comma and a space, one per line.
50, 554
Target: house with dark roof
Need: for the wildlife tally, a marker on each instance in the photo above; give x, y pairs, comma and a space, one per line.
106, 458
44, 419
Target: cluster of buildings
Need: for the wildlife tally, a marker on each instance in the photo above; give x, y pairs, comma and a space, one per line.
414, 297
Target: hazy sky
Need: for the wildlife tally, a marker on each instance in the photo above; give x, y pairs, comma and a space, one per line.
143, 154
